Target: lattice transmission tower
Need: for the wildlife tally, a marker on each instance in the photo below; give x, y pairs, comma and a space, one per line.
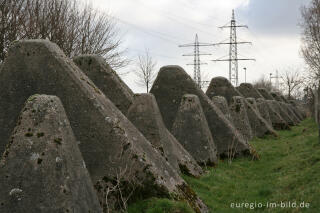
277, 77
196, 59
233, 50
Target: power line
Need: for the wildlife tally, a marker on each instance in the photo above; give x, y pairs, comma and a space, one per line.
191, 6
263, 45
153, 53
196, 61
185, 23
162, 36
154, 33
233, 50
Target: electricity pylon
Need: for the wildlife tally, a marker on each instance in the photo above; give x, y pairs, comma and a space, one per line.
196, 61
233, 50
277, 77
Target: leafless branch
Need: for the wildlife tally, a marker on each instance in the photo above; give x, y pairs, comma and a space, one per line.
292, 81
75, 27
265, 83
311, 37
145, 70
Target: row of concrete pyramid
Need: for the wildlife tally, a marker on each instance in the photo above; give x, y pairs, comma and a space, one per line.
90, 143
234, 115
277, 111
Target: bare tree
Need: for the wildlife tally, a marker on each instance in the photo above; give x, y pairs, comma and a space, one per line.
265, 83
75, 27
311, 37
292, 82
12, 15
146, 72
311, 51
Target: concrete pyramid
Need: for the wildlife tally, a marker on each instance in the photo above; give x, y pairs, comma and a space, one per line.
291, 112
144, 113
295, 111
192, 131
248, 91
222, 104
285, 107
169, 87
283, 113
221, 86
284, 99
261, 108
265, 94
298, 111
42, 169
292, 108
240, 118
298, 107
259, 125
277, 121
274, 107
113, 149
276, 96
283, 103
106, 79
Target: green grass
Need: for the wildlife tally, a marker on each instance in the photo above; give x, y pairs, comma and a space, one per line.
159, 206
289, 170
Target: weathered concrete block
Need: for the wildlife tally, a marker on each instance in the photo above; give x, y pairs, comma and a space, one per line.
221, 86
299, 108
113, 149
248, 91
192, 131
292, 115
42, 169
277, 121
285, 107
295, 111
283, 113
240, 118
144, 113
222, 104
262, 108
106, 79
169, 87
284, 99
288, 107
276, 96
259, 125
265, 94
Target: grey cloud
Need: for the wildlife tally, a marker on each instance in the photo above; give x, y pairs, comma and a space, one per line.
274, 16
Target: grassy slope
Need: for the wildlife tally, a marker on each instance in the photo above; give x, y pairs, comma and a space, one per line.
155, 205
289, 170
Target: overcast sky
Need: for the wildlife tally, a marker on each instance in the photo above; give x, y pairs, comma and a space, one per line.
161, 25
